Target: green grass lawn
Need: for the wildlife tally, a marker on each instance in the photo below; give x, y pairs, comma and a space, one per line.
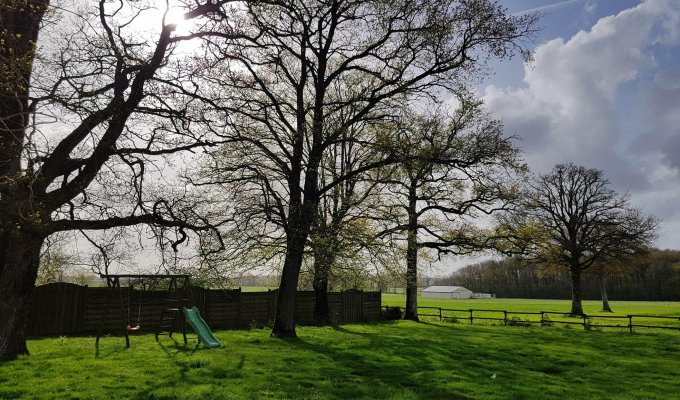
535, 305
590, 307
257, 288
399, 360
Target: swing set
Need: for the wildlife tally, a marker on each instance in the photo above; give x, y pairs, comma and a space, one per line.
179, 296
130, 327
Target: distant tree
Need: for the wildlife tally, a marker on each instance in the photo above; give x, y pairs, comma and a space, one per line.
653, 276
573, 219
601, 271
54, 265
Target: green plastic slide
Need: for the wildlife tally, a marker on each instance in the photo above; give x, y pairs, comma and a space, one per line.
201, 328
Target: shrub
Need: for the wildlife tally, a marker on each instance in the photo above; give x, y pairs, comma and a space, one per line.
518, 322
392, 313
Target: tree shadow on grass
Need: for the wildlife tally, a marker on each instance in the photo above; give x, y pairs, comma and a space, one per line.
382, 365
470, 359
177, 347
110, 351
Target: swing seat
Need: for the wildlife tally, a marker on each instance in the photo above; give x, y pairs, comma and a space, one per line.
133, 328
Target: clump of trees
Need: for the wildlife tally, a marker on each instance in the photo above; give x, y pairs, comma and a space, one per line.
300, 77
571, 218
302, 116
653, 276
87, 127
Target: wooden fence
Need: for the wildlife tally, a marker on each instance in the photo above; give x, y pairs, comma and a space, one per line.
543, 318
67, 309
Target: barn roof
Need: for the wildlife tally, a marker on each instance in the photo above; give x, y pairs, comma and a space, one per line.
444, 289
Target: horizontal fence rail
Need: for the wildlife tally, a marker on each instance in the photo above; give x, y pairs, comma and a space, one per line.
68, 309
543, 318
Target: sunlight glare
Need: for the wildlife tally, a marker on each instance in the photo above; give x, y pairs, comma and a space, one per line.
175, 16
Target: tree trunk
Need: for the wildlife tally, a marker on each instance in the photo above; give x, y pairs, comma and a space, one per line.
19, 27
603, 291
322, 312
576, 306
19, 248
284, 320
411, 312
19, 261
325, 248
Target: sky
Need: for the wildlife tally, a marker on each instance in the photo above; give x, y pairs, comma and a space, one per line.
602, 91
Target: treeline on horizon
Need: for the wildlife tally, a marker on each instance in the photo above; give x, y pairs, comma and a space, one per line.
653, 277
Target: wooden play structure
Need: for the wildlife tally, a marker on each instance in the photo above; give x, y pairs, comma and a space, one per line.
172, 317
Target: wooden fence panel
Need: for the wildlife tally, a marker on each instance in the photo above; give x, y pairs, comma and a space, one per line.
304, 307
223, 308
57, 309
371, 313
255, 308
352, 306
62, 308
335, 306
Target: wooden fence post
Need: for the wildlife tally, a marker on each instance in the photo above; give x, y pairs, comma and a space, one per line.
542, 319
470, 316
343, 307
505, 317
238, 307
585, 326
361, 310
206, 308
269, 311
630, 324
440, 314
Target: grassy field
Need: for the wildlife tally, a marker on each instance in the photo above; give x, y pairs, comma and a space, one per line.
590, 307
536, 305
400, 360
256, 288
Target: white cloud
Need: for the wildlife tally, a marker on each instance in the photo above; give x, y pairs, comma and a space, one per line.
567, 110
661, 106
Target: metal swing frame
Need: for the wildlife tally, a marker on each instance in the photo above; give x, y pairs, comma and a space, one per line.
171, 309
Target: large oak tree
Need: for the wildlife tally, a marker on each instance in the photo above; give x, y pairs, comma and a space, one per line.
455, 168
81, 129
573, 219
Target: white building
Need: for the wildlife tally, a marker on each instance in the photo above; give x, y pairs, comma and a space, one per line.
446, 292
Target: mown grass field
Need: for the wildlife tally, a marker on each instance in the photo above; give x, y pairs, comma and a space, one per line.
596, 318
389, 360
256, 288
536, 305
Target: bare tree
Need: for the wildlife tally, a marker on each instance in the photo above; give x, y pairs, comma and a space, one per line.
573, 219
294, 65
611, 268
342, 234
81, 132
254, 240
454, 170
55, 261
